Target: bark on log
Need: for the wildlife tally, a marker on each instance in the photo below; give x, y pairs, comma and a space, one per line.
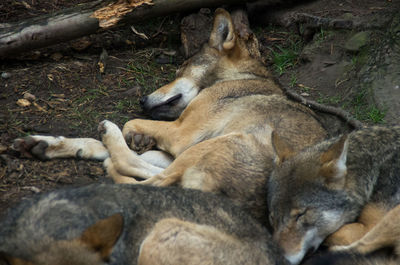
80, 21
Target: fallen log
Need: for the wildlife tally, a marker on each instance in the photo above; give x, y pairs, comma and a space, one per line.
88, 18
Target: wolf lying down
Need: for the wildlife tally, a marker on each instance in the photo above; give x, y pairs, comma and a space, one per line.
133, 224
225, 104
345, 191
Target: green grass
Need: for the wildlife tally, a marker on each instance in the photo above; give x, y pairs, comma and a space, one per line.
286, 56
322, 35
329, 99
369, 113
364, 110
147, 74
293, 80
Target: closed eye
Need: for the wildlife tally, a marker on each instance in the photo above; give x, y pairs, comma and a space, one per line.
301, 214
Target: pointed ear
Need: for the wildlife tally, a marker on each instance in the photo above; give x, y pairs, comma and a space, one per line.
282, 149
333, 161
223, 35
102, 236
10, 260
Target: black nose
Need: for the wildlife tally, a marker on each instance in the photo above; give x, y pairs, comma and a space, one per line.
143, 100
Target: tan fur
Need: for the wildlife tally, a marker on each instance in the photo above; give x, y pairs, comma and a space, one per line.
383, 231
173, 241
349, 233
282, 149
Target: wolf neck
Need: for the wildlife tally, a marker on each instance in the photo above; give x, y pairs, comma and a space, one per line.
241, 88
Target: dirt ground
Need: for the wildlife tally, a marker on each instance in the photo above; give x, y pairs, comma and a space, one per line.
60, 90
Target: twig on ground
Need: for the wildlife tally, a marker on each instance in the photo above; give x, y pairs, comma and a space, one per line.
344, 115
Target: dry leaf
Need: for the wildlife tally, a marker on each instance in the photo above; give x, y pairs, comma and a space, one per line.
23, 102
29, 96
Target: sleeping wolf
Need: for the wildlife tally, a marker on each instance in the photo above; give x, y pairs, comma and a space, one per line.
344, 185
226, 104
133, 224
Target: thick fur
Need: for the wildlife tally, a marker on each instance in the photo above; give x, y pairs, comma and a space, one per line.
133, 224
351, 182
225, 105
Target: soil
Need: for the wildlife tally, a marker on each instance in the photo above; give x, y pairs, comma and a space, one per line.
68, 95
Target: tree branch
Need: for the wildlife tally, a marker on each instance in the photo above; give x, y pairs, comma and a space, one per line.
344, 115
85, 19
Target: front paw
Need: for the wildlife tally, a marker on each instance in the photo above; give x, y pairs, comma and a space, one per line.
140, 143
31, 146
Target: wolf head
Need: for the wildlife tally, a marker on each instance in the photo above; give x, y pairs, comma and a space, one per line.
307, 200
224, 57
93, 247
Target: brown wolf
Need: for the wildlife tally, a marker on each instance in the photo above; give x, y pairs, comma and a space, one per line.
344, 186
133, 224
226, 104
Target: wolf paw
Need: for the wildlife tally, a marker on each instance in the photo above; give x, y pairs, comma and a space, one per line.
140, 143
109, 132
31, 147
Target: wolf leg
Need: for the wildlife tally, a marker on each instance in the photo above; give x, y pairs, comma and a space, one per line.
141, 135
173, 137
206, 165
49, 147
384, 234
346, 235
370, 215
124, 161
115, 175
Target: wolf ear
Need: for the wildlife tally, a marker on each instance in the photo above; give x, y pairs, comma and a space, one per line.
102, 236
282, 149
333, 161
223, 35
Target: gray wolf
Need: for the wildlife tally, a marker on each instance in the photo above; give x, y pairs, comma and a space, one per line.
133, 224
224, 105
337, 191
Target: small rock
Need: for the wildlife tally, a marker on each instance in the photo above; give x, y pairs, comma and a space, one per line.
357, 41
81, 44
23, 102
56, 56
29, 96
169, 52
5, 75
304, 94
